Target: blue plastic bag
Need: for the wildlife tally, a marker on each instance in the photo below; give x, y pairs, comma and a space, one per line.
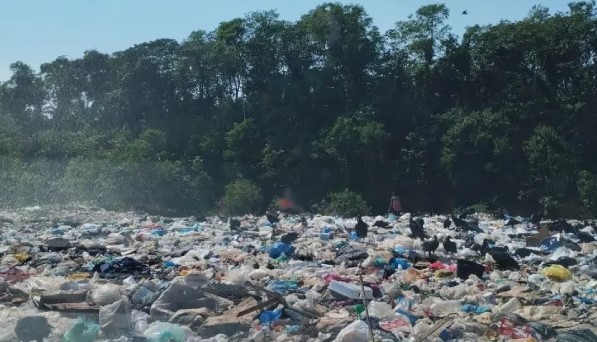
353, 236
268, 317
280, 248
398, 262
159, 232
473, 308
551, 243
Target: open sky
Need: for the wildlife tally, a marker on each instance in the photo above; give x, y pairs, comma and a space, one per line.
38, 31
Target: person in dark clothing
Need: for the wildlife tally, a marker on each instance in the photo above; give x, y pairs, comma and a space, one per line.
395, 205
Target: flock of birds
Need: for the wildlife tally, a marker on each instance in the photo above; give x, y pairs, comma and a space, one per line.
466, 229
501, 255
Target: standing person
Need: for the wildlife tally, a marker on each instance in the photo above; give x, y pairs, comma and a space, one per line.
395, 205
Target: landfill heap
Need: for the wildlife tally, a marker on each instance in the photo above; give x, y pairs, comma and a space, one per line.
77, 273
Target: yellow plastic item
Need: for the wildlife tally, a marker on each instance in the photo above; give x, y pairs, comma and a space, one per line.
78, 276
444, 274
557, 273
184, 272
22, 257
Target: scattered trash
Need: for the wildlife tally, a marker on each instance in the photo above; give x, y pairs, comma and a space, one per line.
174, 279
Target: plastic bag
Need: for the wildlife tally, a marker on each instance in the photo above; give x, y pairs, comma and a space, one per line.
115, 318
268, 317
82, 331
164, 332
557, 273
380, 310
106, 294
357, 331
280, 248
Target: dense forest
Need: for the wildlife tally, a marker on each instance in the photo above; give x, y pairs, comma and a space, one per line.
504, 116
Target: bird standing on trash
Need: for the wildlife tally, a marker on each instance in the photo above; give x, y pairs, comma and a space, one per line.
417, 229
449, 245
447, 223
488, 246
431, 245
361, 228
234, 223
381, 224
273, 219
535, 218
503, 260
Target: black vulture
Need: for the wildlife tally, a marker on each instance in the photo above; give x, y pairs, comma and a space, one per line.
535, 218
466, 213
565, 261
273, 219
470, 243
447, 223
361, 228
417, 229
525, 252
465, 12
381, 224
468, 226
503, 260
585, 237
289, 238
512, 221
561, 225
486, 247
449, 245
431, 245
473, 227
234, 224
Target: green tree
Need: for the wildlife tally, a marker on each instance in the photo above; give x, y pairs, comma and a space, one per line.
241, 197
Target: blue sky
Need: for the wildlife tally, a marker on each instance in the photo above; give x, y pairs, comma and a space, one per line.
38, 31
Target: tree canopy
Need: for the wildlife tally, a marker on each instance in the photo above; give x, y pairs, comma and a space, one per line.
504, 115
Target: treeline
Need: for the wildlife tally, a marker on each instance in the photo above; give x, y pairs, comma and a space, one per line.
505, 116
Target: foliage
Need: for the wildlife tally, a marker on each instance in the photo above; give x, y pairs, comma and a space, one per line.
241, 197
503, 115
345, 203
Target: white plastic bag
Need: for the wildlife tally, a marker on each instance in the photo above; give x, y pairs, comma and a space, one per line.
106, 294
357, 331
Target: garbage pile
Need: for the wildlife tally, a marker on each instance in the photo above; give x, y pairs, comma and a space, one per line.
77, 273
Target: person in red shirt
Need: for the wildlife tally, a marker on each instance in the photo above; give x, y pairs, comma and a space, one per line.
395, 205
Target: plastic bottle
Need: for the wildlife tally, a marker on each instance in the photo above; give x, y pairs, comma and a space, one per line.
139, 319
509, 306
